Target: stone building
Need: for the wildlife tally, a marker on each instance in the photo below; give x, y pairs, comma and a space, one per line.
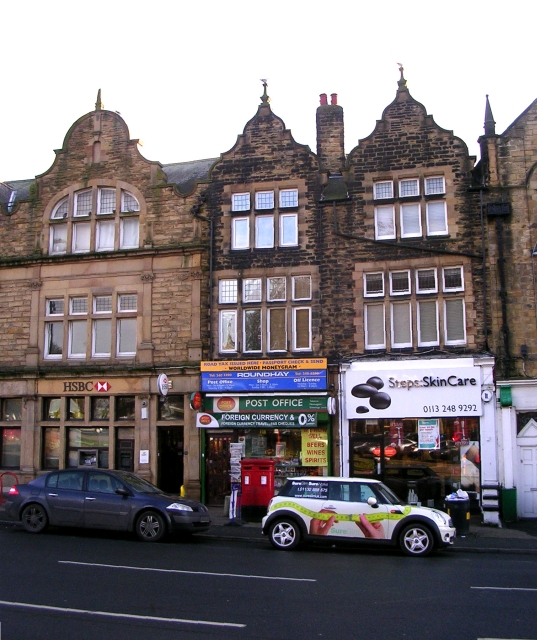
103, 269
506, 178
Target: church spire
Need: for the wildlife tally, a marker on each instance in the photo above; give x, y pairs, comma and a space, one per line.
490, 125
99, 105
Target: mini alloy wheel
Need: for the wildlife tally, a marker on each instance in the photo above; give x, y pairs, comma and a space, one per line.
150, 526
416, 540
284, 535
34, 518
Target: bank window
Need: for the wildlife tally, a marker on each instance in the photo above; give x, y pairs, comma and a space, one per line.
436, 218
76, 408
252, 331
51, 448
375, 337
264, 200
87, 447
52, 408
302, 329
251, 290
173, 408
276, 289
100, 407
125, 408
373, 284
240, 233
409, 188
81, 232
411, 220
435, 185
383, 190
401, 325
385, 222
227, 291
240, 202
426, 281
10, 448
264, 232
11, 409
301, 287
288, 198
453, 279
399, 283
428, 323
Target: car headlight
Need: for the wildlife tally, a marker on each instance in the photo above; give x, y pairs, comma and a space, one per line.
178, 506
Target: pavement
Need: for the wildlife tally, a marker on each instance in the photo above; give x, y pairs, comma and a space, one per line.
518, 537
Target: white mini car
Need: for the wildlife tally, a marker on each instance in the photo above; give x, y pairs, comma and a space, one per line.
353, 509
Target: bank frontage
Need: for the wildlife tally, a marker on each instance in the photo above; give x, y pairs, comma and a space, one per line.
140, 423
271, 414
425, 427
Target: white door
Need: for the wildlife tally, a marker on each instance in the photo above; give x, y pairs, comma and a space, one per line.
527, 498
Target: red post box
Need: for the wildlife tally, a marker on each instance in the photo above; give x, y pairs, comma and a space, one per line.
257, 478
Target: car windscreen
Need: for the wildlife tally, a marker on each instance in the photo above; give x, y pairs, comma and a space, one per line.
388, 496
138, 484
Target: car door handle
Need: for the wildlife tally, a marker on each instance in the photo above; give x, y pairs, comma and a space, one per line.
328, 506
90, 499
53, 495
533, 489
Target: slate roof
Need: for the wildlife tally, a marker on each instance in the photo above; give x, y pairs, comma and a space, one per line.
185, 174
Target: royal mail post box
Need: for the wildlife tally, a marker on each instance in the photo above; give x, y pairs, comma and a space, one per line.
257, 478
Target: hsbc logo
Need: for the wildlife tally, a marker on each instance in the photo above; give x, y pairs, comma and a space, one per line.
86, 386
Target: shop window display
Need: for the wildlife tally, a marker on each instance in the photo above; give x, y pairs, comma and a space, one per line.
420, 460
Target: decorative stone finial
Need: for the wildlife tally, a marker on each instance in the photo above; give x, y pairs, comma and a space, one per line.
99, 105
490, 125
401, 82
264, 98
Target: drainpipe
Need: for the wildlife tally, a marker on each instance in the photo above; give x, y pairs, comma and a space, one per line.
195, 212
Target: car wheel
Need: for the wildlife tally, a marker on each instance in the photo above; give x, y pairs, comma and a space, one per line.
34, 518
150, 526
284, 535
416, 540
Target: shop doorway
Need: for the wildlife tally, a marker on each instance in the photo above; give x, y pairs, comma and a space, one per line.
170, 456
218, 467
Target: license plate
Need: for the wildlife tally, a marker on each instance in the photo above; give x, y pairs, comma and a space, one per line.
204, 519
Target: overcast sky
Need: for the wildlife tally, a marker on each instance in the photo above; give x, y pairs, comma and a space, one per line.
185, 76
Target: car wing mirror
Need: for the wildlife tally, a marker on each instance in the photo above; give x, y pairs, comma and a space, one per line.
123, 492
372, 502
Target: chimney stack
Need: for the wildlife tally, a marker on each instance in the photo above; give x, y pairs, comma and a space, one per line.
330, 135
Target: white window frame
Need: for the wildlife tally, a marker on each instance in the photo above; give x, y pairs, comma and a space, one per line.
258, 311
452, 289
416, 217
269, 338
246, 297
409, 195
295, 347
385, 209
446, 327
293, 287
400, 345
437, 232
78, 195
78, 228
108, 311
371, 345
282, 197
407, 291
48, 330
49, 312
225, 297
99, 199
261, 220
54, 230
237, 203
428, 343
376, 195
375, 294
231, 313
124, 296
94, 329
260, 196
428, 178
234, 243
102, 224
70, 352
419, 289
294, 241
120, 322
271, 299
122, 223
71, 306
64, 202
124, 208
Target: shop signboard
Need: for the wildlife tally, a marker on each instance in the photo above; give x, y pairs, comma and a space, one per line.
264, 375
425, 389
260, 420
229, 404
314, 448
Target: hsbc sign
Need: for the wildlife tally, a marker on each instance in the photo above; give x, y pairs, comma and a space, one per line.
76, 385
